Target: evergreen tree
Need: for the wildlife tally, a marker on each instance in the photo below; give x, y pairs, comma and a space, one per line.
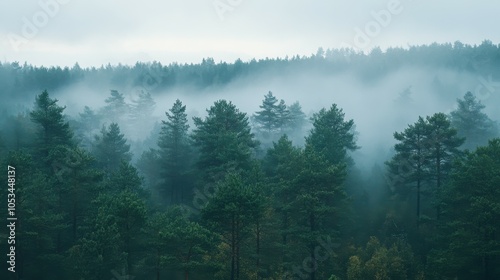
141, 111
149, 167
53, 149
224, 141
116, 108
185, 244
111, 148
143, 107
38, 219
230, 213
297, 119
282, 164
82, 182
469, 242
113, 228
317, 205
443, 150
18, 132
175, 154
266, 119
87, 127
410, 164
125, 178
308, 196
332, 135
53, 130
472, 123
424, 154
282, 116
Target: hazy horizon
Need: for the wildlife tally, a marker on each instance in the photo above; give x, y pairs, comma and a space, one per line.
63, 32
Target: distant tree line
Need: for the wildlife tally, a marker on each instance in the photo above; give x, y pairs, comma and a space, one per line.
20, 78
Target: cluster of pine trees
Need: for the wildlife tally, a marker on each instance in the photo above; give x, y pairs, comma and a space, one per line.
213, 202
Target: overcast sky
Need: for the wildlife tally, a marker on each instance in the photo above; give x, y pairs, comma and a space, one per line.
96, 32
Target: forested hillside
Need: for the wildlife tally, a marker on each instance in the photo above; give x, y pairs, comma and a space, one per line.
401, 183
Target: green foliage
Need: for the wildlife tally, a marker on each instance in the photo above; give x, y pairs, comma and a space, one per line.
332, 135
266, 119
183, 245
424, 154
297, 119
116, 108
175, 154
379, 262
410, 166
140, 116
53, 130
472, 123
111, 148
231, 213
471, 211
18, 132
265, 218
87, 127
224, 141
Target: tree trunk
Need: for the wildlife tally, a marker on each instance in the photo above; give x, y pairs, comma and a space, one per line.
233, 245
157, 263
313, 228
237, 249
438, 186
258, 250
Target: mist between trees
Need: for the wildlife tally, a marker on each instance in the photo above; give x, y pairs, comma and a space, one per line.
178, 172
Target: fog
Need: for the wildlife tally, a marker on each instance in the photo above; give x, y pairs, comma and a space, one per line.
376, 105
99, 169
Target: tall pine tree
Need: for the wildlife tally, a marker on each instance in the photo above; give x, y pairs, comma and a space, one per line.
175, 154
224, 140
472, 123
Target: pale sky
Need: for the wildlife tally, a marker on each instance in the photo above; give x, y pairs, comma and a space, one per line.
92, 33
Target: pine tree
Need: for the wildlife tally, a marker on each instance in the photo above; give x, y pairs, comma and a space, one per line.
18, 132
53, 148
469, 243
116, 220
184, 245
308, 196
266, 119
224, 141
143, 107
282, 117
38, 218
425, 153
410, 164
82, 181
318, 203
141, 110
332, 135
282, 164
53, 130
472, 123
149, 166
116, 108
88, 125
230, 213
175, 153
297, 119
111, 148
444, 144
